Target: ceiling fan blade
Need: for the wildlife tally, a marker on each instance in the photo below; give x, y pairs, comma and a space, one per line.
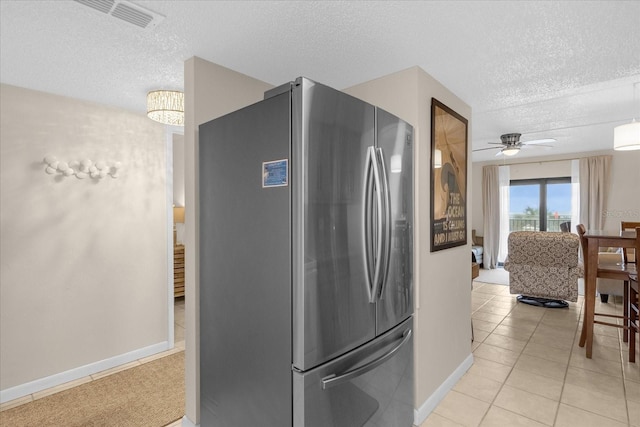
483, 149
539, 141
499, 153
536, 145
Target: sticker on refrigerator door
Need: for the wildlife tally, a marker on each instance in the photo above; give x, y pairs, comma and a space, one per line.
275, 173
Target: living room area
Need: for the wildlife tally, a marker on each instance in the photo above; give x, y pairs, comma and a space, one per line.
530, 366
547, 194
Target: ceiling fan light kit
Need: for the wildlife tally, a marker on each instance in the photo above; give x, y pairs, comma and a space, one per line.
627, 137
510, 151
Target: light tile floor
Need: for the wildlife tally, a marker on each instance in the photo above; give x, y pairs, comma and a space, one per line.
178, 346
528, 369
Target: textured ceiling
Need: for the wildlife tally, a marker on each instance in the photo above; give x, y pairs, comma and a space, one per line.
565, 70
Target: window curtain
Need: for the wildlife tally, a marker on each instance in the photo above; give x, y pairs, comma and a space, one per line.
594, 187
505, 187
495, 210
575, 195
491, 214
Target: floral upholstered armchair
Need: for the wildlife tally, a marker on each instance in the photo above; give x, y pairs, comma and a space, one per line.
543, 266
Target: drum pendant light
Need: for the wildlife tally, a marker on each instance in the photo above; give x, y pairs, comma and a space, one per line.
627, 137
166, 106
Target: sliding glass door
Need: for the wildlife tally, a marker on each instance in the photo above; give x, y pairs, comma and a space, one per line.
540, 204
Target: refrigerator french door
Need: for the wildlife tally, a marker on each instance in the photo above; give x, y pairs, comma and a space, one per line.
305, 204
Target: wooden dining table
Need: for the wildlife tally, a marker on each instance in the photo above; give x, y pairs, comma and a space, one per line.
596, 239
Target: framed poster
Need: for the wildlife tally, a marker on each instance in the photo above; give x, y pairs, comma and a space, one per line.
448, 177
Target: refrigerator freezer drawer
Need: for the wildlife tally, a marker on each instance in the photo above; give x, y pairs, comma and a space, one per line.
371, 386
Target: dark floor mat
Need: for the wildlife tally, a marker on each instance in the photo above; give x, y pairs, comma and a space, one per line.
542, 302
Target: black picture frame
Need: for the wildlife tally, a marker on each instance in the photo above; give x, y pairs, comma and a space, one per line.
449, 135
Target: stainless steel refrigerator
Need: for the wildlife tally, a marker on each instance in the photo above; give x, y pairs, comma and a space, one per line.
306, 291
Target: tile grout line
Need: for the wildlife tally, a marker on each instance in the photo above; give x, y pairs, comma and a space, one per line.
503, 383
512, 368
572, 351
620, 335
566, 371
559, 401
624, 386
621, 367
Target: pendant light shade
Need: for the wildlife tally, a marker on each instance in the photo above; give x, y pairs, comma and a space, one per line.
627, 137
166, 106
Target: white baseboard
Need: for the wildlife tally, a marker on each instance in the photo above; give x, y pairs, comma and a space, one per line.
421, 414
186, 422
80, 372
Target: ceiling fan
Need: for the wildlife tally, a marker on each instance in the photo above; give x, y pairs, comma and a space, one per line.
511, 144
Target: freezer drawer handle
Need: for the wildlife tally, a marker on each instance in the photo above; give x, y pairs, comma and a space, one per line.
334, 380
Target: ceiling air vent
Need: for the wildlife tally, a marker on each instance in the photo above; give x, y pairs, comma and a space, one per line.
127, 11
103, 6
129, 14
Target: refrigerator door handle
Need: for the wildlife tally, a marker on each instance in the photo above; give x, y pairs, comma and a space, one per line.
372, 185
386, 220
334, 380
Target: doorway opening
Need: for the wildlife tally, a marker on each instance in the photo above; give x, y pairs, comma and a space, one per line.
176, 210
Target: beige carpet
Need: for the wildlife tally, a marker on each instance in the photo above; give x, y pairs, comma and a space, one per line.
149, 395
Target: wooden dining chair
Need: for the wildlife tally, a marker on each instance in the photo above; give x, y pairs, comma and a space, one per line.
630, 259
629, 254
607, 270
634, 315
